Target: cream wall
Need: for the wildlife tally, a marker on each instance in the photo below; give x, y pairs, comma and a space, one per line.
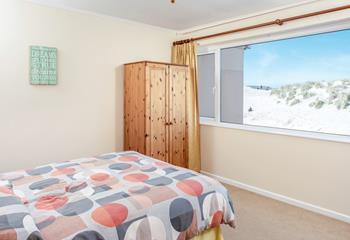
83, 114
312, 171
315, 172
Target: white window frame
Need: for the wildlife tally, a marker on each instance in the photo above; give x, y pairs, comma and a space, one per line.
216, 49
216, 119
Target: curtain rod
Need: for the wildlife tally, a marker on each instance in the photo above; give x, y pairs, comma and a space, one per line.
279, 22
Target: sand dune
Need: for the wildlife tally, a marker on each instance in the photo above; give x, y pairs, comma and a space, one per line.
321, 107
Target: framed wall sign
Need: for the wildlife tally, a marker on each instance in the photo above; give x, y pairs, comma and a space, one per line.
43, 65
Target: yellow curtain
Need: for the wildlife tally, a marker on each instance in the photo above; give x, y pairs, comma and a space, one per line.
212, 234
186, 54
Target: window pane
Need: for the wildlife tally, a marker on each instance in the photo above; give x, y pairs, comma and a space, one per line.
206, 84
301, 83
232, 85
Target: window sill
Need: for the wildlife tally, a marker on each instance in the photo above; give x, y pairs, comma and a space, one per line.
279, 131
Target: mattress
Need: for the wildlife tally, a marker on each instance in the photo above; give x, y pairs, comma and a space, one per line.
121, 196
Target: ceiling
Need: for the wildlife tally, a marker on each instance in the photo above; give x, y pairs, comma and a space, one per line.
182, 15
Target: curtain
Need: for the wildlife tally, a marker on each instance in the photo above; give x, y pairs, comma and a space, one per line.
187, 54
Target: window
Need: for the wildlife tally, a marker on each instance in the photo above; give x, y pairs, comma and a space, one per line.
300, 84
231, 85
206, 85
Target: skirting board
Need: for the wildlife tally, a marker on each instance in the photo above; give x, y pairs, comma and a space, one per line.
279, 197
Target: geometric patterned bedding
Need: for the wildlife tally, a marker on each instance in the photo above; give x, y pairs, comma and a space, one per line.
121, 196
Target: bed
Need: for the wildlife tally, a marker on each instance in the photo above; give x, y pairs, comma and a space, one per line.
121, 196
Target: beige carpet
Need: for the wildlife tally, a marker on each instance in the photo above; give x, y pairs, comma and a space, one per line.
261, 218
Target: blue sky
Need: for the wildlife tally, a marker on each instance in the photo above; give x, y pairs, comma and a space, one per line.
312, 58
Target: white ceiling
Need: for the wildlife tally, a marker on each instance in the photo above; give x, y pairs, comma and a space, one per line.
182, 15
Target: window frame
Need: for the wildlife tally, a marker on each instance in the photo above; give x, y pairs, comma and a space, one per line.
217, 117
216, 49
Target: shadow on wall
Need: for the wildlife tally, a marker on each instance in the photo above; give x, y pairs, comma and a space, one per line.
119, 111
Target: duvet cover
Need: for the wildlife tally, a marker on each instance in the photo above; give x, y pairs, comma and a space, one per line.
119, 196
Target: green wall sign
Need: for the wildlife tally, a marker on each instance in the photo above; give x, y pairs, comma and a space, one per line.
43, 65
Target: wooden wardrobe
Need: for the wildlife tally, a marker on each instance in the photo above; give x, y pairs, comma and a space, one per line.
155, 110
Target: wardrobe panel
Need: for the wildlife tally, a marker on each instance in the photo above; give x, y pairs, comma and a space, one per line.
157, 75
177, 113
134, 107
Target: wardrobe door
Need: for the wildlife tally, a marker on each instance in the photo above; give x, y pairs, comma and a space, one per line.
156, 109
134, 107
177, 116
